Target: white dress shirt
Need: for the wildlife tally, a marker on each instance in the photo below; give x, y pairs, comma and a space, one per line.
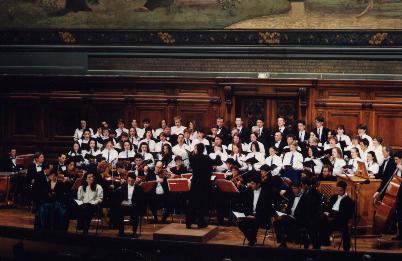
318, 165
90, 196
157, 133
151, 144
182, 151
274, 160
344, 138
378, 153
372, 167
130, 191
120, 131
319, 132
240, 158
370, 140
335, 207
338, 166
159, 188
196, 141
159, 145
353, 162
110, 155
295, 203
244, 147
301, 136
256, 193
258, 156
140, 133
297, 160
78, 133
224, 157
126, 154
148, 156
177, 130
260, 145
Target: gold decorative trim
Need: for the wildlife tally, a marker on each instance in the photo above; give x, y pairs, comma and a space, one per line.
67, 37
378, 38
269, 38
166, 38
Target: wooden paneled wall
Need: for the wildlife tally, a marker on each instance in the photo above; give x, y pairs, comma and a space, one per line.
42, 113
377, 104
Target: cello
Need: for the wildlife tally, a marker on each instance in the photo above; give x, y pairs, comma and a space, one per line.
385, 209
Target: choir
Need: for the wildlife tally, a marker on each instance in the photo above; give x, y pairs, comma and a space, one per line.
274, 173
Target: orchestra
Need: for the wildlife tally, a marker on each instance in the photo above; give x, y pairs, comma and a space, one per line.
272, 176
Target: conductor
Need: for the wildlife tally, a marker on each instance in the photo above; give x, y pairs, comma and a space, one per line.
200, 187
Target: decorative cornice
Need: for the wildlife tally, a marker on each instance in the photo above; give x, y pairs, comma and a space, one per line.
356, 38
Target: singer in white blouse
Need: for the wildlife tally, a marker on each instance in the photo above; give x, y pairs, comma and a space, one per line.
372, 164
109, 153
337, 161
255, 153
354, 152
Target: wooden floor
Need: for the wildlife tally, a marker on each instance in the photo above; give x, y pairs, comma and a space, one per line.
227, 235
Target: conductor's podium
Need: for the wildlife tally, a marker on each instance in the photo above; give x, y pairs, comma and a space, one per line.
363, 193
178, 232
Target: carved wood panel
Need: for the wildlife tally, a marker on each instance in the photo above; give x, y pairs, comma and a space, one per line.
388, 125
349, 118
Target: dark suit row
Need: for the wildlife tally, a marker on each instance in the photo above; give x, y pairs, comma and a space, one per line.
263, 211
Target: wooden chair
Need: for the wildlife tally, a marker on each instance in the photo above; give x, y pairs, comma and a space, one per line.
327, 188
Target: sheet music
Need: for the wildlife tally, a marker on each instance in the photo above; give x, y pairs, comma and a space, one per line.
280, 213
79, 202
238, 214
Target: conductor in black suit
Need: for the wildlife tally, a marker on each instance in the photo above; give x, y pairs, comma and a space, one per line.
257, 207
339, 211
200, 187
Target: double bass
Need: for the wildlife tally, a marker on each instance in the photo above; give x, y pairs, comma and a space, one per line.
385, 209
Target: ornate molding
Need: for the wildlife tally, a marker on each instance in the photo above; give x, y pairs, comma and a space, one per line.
303, 100
357, 38
367, 105
172, 101
319, 104
228, 91
215, 101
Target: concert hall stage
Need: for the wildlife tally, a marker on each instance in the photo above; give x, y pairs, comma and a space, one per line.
17, 224
179, 232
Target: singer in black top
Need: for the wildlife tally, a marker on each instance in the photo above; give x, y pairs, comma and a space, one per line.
200, 187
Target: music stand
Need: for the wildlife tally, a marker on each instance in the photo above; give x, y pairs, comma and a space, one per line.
178, 185
227, 186
148, 186
24, 160
219, 175
361, 170
186, 175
